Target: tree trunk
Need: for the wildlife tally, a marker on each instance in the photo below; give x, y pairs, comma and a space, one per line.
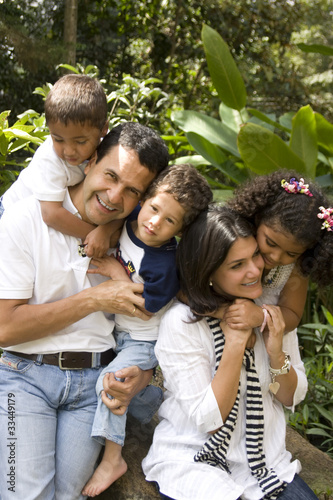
70, 29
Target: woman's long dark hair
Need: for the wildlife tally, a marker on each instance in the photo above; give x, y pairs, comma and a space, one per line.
202, 249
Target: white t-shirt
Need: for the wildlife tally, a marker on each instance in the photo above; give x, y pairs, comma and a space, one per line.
46, 177
186, 354
43, 265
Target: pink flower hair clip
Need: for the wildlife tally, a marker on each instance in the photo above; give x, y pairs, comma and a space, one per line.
295, 186
326, 214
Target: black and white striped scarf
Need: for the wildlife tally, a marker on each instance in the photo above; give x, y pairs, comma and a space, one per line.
214, 451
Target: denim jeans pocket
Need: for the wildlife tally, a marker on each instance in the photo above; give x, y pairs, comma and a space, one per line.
15, 363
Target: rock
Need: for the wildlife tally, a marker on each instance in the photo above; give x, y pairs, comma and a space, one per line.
317, 466
133, 486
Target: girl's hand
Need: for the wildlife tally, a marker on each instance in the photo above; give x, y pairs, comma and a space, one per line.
273, 335
243, 314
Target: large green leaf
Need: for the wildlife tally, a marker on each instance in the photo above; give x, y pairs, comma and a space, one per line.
223, 70
286, 120
267, 119
303, 140
325, 413
264, 152
325, 180
16, 132
195, 160
324, 133
215, 156
316, 48
3, 144
4, 119
231, 117
211, 129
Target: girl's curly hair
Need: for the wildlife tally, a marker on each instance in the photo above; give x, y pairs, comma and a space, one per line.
262, 200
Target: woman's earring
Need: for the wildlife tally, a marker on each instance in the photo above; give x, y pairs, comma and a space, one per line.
210, 283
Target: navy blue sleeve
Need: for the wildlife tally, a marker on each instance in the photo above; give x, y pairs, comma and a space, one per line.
160, 276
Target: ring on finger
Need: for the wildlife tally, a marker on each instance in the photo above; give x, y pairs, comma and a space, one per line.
133, 312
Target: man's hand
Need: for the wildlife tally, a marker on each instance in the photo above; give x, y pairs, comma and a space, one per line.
133, 381
119, 297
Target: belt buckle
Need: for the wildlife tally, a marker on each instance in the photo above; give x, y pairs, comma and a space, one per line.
60, 359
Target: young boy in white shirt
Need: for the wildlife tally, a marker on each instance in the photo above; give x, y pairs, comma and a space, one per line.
76, 115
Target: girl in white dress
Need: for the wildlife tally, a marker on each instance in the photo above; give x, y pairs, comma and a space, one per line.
295, 236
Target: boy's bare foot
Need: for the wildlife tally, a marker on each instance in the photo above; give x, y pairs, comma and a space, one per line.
106, 473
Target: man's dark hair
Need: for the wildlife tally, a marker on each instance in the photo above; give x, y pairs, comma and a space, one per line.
150, 148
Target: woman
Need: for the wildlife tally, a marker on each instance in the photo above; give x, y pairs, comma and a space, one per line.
222, 429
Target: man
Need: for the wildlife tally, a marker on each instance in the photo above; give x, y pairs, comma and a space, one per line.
56, 324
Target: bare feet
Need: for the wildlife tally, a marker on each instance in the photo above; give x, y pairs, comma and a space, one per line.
106, 473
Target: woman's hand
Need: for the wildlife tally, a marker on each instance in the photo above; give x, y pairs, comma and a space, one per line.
245, 337
273, 338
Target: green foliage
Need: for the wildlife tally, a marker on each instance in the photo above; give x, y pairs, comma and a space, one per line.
137, 100
314, 416
132, 100
162, 39
27, 131
316, 49
238, 146
223, 70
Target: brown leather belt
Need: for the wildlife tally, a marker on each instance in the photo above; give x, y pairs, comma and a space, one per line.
71, 360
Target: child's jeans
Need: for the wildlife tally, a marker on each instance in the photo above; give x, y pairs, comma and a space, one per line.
129, 352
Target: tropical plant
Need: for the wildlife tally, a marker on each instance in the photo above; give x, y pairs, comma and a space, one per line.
132, 100
27, 131
314, 416
137, 100
246, 141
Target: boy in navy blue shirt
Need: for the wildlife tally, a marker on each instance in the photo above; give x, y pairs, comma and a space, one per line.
146, 253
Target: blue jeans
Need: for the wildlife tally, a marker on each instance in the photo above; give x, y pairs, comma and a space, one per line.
296, 490
129, 352
46, 415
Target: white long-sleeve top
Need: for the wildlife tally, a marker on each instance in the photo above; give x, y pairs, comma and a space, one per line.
186, 355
